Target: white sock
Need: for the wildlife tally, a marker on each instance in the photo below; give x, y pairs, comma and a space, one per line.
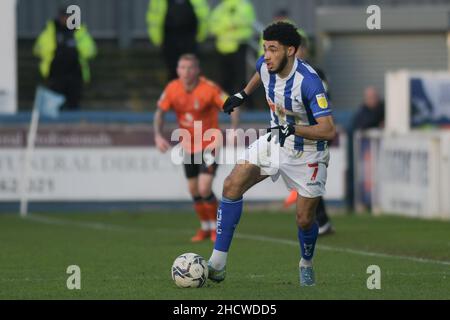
305, 263
218, 259
212, 224
205, 225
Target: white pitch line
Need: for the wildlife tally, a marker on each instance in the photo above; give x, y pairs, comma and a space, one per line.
345, 250
103, 226
87, 225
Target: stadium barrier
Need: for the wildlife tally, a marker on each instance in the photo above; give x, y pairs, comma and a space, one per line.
404, 174
107, 159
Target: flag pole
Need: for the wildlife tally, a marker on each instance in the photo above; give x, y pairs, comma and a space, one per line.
27, 159
47, 103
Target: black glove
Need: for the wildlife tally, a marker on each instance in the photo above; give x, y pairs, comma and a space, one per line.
234, 101
282, 131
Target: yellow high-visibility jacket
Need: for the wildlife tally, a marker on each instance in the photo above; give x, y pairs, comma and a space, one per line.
45, 48
232, 24
156, 14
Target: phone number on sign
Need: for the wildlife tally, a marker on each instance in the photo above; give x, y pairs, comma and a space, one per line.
35, 185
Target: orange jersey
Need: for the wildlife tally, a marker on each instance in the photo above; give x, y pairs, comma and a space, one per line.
201, 104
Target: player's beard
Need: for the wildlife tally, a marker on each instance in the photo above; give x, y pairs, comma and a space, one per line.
283, 64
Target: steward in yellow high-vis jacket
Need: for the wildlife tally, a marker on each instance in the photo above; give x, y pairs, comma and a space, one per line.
177, 26
232, 25
64, 55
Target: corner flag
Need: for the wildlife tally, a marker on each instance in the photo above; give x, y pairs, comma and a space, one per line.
48, 102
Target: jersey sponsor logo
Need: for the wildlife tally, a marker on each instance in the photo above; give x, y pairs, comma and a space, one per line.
187, 120
271, 104
322, 100
277, 109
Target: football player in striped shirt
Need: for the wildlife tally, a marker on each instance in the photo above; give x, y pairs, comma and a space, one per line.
295, 147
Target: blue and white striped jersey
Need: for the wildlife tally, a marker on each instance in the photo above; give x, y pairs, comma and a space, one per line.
300, 98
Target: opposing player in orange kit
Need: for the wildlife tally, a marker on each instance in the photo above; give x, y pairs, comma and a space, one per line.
196, 102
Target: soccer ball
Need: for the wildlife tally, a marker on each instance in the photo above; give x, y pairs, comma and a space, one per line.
189, 270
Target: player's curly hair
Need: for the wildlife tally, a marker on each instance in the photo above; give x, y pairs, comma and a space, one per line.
283, 32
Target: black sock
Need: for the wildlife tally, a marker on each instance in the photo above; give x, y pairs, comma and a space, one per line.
321, 213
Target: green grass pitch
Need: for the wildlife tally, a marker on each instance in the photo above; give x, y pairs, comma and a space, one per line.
129, 256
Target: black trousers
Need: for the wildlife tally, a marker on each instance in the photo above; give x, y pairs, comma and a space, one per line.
321, 213
71, 87
173, 47
232, 69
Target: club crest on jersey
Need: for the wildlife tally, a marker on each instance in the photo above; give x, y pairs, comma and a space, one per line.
322, 100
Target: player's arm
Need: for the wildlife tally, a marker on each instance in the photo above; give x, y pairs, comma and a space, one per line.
253, 84
234, 126
238, 99
235, 119
323, 130
219, 100
158, 122
316, 100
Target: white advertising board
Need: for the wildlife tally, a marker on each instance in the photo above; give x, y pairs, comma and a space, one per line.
126, 174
